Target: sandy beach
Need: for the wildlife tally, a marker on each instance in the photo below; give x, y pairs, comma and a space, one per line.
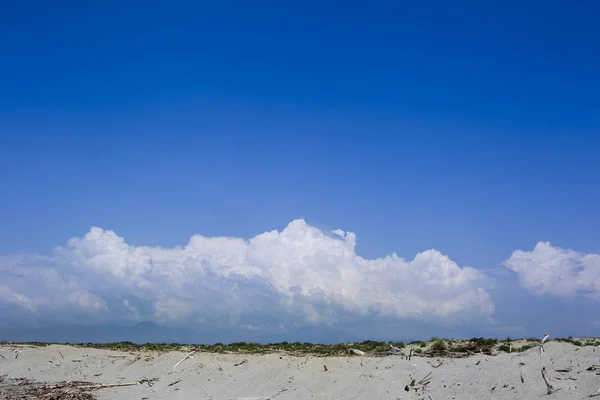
572, 372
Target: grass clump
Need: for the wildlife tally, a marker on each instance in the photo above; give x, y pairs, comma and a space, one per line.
505, 348
439, 346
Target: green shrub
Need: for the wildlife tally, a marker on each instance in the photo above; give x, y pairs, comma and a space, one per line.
439, 346
481, 342
505, 348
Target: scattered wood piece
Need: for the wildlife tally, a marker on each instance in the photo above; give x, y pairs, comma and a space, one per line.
244, 361
109, 385
594, 367
150, 382
427, 376
17, 354
357, 352
439, 365
2, 356
61, 355
325, 367
184, 358
549, 387
410, 355
75, 360
478, 362
98, 374
522, 379
563, 370
545, 338
117, 356
174, 383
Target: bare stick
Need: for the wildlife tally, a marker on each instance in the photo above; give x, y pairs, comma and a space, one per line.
108, 385
184, 358
424, 379
61, 355
117, 356
548, 385
244, 361
545, 338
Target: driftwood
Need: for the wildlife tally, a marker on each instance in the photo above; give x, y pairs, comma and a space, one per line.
550, 389
21, 388
357, 352
185, 358
244, 361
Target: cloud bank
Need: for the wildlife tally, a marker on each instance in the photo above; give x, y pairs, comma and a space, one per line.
555, 271
301, 275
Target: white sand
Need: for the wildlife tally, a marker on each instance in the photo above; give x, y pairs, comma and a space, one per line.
283, 377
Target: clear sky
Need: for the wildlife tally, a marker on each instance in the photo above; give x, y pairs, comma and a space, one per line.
460, 131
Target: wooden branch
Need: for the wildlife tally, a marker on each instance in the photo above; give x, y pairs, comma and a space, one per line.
109, 385
184, 358
549, 387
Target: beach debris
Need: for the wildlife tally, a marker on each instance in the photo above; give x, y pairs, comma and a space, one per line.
325, 367
244, 361
396, 351
150, 382
17, 353
545, 338
437, 366
542, 344
522, 379
564, 370
117, 356
61, 355
185, 358
21, 388
594, 367
357, 352
174, 383
549, 387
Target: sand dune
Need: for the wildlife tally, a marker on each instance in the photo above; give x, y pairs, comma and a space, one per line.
569, 368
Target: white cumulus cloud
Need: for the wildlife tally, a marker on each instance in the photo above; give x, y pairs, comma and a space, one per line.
302, 275
556, 271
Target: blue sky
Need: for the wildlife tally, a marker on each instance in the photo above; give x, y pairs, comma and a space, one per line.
472, 129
